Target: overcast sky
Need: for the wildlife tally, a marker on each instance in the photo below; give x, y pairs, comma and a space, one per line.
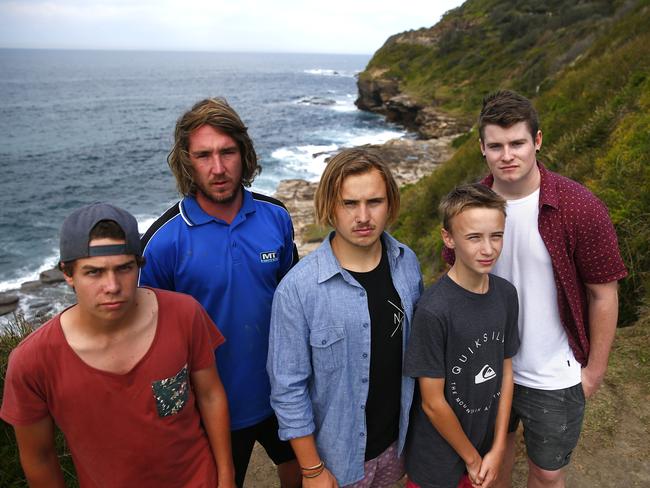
334, 26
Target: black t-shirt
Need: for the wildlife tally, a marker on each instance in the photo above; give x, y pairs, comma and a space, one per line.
384, 389
464, 338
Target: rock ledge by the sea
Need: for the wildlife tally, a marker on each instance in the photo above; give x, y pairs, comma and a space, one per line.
8, 303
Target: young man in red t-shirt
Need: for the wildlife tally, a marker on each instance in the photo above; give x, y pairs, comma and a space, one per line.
127, 373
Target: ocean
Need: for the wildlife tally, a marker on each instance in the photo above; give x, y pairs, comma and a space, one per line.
84, 126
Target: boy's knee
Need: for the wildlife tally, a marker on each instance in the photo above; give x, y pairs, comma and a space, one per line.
544, 477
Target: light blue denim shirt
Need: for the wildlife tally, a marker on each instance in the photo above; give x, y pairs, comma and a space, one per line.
319, 354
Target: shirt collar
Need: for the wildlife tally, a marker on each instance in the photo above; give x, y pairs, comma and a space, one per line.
547, 187
193, 214
329, 266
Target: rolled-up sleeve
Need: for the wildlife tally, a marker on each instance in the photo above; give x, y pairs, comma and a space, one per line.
289, 364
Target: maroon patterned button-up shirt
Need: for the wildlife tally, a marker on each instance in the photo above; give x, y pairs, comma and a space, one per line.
580, 238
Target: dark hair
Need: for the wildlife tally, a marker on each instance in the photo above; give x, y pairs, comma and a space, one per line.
469, 196
505, 108
104, 229
352, 162
216, 113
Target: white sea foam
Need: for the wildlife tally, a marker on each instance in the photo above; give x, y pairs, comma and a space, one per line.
30, 273
306, 161
330, 72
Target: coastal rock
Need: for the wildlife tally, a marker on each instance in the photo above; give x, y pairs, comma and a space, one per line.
375, 90
298, 196
8, 303
382, 96
28, 286
50, 276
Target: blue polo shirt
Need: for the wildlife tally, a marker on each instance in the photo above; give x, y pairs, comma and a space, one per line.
232, 270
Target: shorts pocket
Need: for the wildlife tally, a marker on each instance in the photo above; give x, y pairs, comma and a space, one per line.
327, 348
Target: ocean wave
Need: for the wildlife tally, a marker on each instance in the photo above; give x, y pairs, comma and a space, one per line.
32, 273
331, 72
307, 161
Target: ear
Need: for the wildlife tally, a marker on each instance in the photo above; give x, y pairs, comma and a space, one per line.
447, 238
482, 146
68, 279
538, 140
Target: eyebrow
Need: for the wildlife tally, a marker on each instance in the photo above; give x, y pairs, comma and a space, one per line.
91, 267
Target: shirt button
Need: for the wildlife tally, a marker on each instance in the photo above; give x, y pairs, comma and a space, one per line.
365, 325
323, 342
363, 407
365, 355
362, 434
362, 294
364, 380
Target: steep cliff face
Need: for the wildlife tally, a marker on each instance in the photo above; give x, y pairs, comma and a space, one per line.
432, 80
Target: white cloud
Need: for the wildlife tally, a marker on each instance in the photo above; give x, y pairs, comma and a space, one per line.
283, 25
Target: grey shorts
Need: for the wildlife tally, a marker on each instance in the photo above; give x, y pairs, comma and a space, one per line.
552, 423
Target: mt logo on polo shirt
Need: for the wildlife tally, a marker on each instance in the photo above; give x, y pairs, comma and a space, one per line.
268, 256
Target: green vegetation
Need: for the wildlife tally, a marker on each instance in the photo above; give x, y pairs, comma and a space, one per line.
595, 114
11, 473
484, 44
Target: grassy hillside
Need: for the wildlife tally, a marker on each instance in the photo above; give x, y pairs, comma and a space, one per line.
486, 43
595, 111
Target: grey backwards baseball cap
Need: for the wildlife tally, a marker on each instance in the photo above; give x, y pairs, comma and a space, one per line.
75, 232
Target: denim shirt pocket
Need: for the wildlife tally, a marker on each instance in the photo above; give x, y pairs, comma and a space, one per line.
327, 348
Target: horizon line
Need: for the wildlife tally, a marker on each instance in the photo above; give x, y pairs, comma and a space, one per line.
201, 51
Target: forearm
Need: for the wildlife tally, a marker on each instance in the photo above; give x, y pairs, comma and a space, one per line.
314, 472
44, 472
213, 407
442, 417
36, 446
216, 421
306, 451
603, 316
505, 403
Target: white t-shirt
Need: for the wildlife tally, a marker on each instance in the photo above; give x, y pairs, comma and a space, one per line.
544, 360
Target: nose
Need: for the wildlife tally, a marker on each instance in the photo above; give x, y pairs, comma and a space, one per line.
363, 215
111, 283
487, 248
507, 153
217, 166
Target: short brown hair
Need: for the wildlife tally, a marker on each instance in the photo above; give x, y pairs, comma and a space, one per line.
216, 113
465, 197
352, 162
505, 108
108, 229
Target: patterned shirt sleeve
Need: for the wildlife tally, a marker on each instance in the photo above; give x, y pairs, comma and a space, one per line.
597, 255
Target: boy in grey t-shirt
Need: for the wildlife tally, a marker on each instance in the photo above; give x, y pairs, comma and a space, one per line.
464, 335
